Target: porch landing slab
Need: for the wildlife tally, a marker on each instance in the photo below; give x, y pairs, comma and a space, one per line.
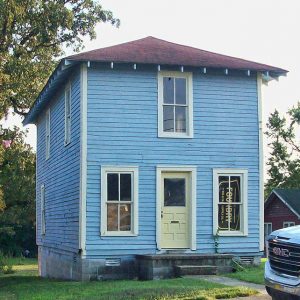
159, 266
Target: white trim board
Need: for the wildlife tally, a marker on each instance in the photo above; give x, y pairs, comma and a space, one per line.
83, 158
193, 172
261, 163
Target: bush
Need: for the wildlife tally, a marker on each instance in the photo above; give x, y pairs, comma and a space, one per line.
5, 265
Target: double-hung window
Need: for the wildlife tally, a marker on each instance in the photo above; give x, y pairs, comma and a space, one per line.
119, 206
288, 224
43, 214
175, 105
68, 93
230, 202
47, 135
267, 229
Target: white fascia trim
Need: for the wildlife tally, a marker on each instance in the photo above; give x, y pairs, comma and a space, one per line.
190, 123
171, 168
83, 158
244, 223
284, 202
261, 163
103, 221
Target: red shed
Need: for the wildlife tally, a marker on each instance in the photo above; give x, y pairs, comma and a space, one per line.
282, 209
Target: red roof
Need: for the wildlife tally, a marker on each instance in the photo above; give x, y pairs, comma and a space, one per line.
151, 50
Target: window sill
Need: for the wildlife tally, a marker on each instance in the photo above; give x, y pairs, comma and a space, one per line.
118, 234
175, 136
232, 233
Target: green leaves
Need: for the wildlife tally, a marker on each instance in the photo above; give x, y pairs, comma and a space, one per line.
284, 161
33, 34
17, 187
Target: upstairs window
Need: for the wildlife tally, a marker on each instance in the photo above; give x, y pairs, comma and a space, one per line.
47, 135
230, 202
68, 93
175, 111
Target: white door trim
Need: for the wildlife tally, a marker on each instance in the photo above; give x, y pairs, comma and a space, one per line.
193, 184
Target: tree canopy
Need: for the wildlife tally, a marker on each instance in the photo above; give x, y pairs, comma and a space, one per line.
32, 36
284, 161
17, 186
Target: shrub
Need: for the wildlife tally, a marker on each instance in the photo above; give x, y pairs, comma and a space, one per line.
5, 265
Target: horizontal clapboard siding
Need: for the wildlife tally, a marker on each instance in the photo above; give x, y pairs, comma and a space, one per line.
122, 130
60, 173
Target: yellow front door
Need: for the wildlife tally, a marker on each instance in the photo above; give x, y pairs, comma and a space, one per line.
175, 210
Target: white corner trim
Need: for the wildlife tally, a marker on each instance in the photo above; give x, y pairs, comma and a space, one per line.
193, 180
230, 171
83, 158
135, 220
261, 163
190, 114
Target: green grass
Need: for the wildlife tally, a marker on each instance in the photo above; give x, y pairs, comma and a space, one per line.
251, 273
25, 284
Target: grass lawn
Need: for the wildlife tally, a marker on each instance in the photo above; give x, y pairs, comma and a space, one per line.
251, 274
25, 284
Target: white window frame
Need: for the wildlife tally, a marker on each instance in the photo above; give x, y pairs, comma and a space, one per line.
43, 212
189, 122
267, 224
47, 134
134, 216
288, 224
243, 173
68, 104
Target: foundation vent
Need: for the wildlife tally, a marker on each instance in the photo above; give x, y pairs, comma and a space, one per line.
112, 262
246, 260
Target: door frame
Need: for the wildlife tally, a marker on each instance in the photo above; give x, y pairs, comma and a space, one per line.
192, 170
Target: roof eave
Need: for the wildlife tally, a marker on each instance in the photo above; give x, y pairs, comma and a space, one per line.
54, 79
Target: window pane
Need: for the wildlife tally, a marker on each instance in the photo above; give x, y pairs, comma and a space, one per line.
223, 216
180, 119
168, 118
168, 83
112, 187
180, 90
112, 217
235, 186
68, 101
125, 217
174, 192
235, 217
224, 195
125, 187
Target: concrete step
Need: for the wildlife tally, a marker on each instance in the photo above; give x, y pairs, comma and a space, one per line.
195, 270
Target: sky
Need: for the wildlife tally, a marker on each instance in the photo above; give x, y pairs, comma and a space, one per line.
263, 31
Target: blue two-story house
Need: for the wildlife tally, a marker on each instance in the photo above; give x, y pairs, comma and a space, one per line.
147, 148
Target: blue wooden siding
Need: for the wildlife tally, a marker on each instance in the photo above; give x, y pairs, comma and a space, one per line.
122, 130
60, 173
